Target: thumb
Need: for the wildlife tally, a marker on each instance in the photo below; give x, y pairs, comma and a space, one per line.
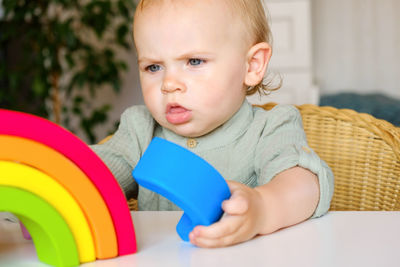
237, 204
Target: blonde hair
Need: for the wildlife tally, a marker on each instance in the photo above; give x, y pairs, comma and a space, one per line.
254, 18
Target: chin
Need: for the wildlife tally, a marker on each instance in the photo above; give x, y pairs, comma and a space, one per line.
190, 133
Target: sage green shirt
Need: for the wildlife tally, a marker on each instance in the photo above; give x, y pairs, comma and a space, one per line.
252, 147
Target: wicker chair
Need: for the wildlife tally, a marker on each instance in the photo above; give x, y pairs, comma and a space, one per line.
363, 152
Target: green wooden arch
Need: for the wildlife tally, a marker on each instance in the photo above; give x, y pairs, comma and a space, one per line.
54, 242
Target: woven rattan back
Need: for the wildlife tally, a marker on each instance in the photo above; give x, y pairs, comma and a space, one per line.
363, 152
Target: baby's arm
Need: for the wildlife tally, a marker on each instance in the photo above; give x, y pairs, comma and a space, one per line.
122, 152
289, 198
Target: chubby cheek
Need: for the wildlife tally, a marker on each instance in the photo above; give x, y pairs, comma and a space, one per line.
227, 89
153, 100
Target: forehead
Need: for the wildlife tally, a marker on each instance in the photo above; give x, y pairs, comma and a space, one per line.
169, 19
228, 4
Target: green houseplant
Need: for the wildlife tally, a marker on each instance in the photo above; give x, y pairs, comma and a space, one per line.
57, 54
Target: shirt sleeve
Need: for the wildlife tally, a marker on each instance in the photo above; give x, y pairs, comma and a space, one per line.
283, 145
122, 152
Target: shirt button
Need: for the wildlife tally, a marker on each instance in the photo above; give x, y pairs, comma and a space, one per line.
191, 143
306, 149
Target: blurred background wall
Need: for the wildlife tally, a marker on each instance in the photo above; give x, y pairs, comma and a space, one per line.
357, 46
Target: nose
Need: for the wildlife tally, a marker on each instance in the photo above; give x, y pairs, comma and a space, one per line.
172, 83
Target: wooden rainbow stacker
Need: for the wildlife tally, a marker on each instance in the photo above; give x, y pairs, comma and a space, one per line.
62, 192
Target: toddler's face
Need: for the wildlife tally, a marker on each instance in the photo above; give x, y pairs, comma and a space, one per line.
192, 64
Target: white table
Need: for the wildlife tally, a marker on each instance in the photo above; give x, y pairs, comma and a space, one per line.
337, 239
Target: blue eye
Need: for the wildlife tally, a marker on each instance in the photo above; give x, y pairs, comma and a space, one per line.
195, 61
153, 68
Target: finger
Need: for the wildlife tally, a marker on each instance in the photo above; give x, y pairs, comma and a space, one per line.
226, 226
238, 204
234, 237
233, 185
214, 242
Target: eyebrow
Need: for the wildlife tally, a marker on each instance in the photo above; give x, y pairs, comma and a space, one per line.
147, 59
191, 54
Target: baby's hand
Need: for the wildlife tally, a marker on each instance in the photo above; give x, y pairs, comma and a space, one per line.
242, 220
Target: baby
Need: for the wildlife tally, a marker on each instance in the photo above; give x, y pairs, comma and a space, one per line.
197, 61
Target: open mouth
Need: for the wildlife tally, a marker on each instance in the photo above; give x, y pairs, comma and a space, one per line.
176, 114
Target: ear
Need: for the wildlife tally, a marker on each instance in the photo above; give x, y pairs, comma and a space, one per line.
257, 61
